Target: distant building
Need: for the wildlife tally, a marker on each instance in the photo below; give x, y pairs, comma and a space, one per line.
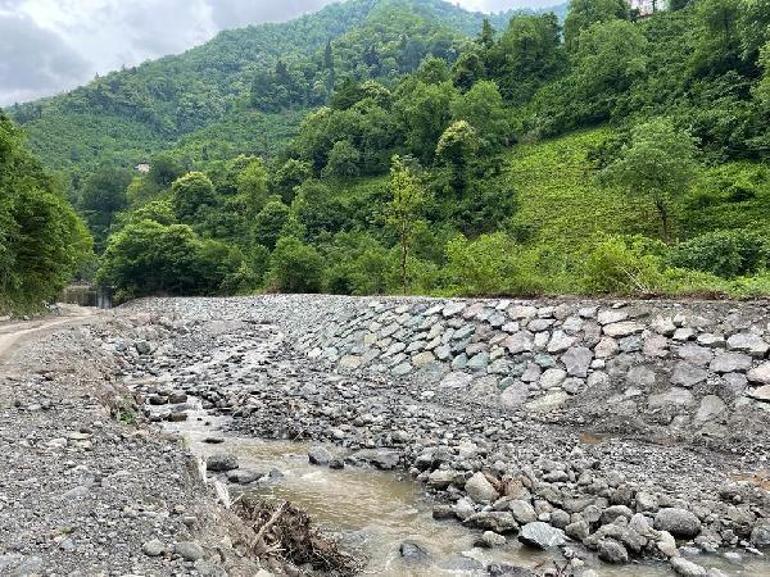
647, 7
142, 167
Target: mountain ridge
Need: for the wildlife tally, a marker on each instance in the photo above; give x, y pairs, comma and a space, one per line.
162, 101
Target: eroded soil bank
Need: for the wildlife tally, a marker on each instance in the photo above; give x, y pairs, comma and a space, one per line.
583, 430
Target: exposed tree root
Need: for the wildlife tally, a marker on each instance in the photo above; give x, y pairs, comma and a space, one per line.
284, 532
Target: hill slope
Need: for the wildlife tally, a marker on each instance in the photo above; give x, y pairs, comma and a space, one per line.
241, 79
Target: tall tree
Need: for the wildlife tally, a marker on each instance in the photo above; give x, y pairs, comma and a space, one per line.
403, 211
584, 13
659, 165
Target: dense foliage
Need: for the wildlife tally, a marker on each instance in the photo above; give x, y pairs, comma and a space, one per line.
424, 150
42, 241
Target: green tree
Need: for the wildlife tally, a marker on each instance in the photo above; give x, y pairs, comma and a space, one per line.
403, 211
344, 160
487, 35
718, 42
528, 54
295, 267
659, 165
190, 194
584, 13
164, 170
289, 176
102, 197
426, 113
146, 258
456, 149
483, 108
252, 184
269, 222
468, 69
611, 56
42, 241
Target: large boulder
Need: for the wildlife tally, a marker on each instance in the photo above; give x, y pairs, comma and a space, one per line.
760, 535
220, 462
679, 522
541, 535
610, 551
480, 489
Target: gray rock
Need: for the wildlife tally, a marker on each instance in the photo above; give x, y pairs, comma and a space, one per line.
541, 535
760, 374
577, 360
505, 570
687, 375
748, 343
189, 550
622, 329
761, 393
710, 407
220, 462
673, 397
611, 551
559, 342
686, 568
385, 459
730, 363
480, 489
760, 535
490, 540
552, 378
679, 522
413, 553
153, 548
610, 316
497, 521
318, 455
522, 511
579, 530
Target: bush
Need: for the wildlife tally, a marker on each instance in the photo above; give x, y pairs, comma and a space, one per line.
358, 265
623, 266
490, 265
147, 258
724, 253
295, 267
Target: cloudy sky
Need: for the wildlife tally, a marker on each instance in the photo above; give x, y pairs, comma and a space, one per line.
47, 46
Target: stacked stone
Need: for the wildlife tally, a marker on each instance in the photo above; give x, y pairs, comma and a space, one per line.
538, 355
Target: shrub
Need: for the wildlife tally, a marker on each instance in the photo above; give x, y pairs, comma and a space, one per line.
490, 265
724, 253
295, 267
624, 266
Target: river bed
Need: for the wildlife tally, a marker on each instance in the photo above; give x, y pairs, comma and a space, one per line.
377, 511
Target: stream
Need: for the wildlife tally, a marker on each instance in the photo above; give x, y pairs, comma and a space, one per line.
377, 511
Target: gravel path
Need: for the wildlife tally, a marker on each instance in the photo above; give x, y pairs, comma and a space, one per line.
83, 492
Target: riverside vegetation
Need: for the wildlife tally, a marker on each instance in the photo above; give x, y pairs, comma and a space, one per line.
385, 146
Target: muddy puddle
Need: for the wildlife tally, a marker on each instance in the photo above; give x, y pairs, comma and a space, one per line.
375, 512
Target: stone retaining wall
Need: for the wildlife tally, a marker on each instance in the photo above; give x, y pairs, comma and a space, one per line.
675, 364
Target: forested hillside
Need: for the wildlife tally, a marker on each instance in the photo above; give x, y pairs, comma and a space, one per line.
239, 85
426, 150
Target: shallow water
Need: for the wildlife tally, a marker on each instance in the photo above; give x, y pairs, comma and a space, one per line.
378, 511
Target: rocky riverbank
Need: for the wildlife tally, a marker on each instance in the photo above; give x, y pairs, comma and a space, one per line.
83, 490
566, 459
625, 431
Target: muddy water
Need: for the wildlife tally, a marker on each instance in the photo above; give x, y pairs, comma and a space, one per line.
376, 512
